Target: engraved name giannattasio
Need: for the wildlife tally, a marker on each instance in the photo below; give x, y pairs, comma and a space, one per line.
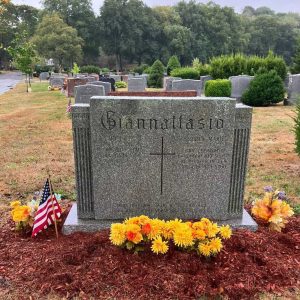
111, 120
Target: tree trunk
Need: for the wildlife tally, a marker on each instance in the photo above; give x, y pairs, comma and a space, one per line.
121, 64
26, 82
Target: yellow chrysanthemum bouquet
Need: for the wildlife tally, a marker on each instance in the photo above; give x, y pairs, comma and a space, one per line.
272, 209
23, 215
204, 236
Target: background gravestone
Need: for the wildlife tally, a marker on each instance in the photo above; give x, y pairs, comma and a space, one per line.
57, 81
106, 86
168, 82
239, 84
115, 77
136, 84
204, 79
83, 93
293, 89
163, 157
44, 76
187, 85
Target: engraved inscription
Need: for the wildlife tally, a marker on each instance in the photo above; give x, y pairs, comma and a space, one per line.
111, 120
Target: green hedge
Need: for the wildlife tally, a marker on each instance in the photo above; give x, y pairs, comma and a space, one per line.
225, 66
121, 84
218, 88
264, 89
186, 73
90, 69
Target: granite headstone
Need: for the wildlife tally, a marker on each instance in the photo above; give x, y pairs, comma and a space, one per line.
106, 86
168, 82
187, 85
57, 81
204, 79
83, 93
239, 84
44, 76
163, 157
294, 89
136, 84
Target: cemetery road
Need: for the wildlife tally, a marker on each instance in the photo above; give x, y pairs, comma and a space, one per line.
9, 80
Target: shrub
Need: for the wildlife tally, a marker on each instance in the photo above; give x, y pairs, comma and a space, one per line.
202, 69
225, 66
264, 89
276, 63
105, 70
297, 128
90, 69
140, 69
75, 69
121, 84
186, 73
147, 70
218, 88
156, 75
173, 64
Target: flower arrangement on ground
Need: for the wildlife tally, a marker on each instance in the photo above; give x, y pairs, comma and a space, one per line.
273, 209
204, 236
23, 215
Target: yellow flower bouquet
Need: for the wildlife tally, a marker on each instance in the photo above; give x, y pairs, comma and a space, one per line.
204, 236
23, 215
272, 209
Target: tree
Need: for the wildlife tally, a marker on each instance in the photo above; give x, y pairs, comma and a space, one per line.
80, 15
173, 63
295, 69
156, 74
23, 54
14, 19
127, 30
55, 39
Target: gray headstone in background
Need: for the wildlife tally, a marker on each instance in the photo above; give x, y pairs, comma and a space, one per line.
116, 77
136, 84
83, 93
204, 79
145, 77
57, 81
294, 89
168, 82
91, 78
106, 85
239, 84
44, 76
287, 81
163, 157
54, 75
187, 85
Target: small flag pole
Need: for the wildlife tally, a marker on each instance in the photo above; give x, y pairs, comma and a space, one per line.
54, 216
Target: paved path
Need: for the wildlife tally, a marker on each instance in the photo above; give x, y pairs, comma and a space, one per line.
9, 80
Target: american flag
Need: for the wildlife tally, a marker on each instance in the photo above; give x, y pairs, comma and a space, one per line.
44, 215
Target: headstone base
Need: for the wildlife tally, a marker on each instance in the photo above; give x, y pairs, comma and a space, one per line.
74, 224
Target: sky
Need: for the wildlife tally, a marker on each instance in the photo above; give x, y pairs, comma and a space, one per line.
238, 5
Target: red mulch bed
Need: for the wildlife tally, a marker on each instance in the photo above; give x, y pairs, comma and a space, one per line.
88, 265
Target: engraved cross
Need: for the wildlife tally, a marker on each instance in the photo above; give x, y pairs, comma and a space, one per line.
162, 154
